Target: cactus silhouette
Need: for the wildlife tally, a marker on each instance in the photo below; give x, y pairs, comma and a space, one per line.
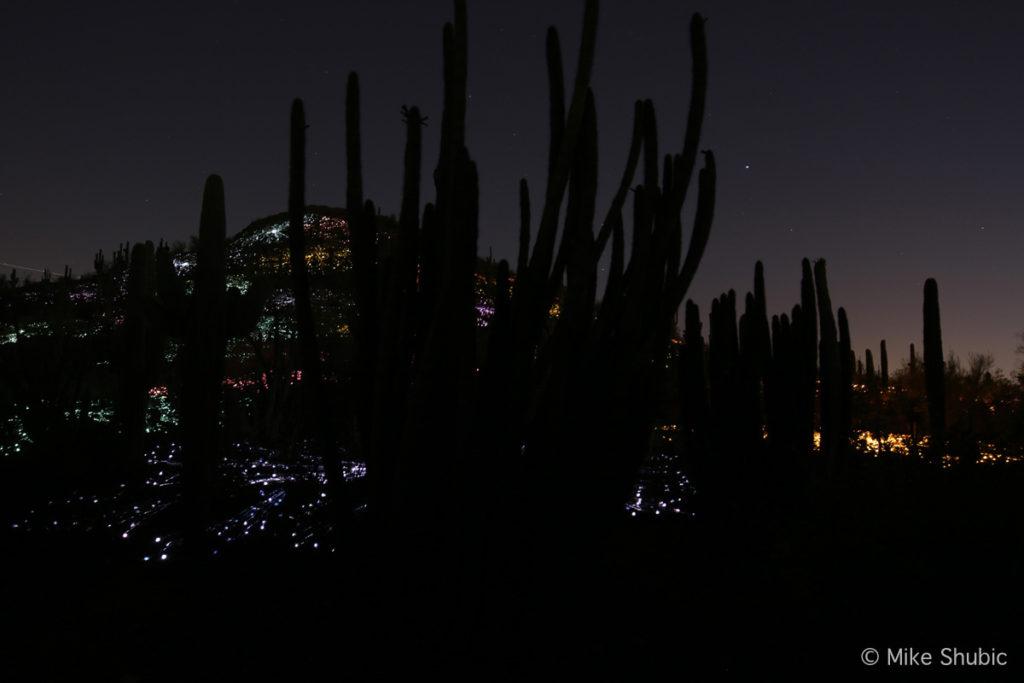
846, 367
751, 361
762, 327
693, 382
203, 368
316, 396
143, 341
805, 320
883, 359
934, 370
780, 388
723, 371
363, 241
537, 379
832, 440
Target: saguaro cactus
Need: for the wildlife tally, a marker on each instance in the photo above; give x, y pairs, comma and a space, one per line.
805, 322
934, 370
748, 401
723, 370
846, 363
884, 365
203, 357
363, 240
781, 387
309, 353
693, 384
143, 342
762, 329
832, 441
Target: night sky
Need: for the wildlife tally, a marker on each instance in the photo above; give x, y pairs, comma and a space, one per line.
887, 139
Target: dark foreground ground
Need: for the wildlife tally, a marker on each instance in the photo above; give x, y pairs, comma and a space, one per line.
925, 561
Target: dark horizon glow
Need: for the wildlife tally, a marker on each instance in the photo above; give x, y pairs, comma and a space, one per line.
884, 139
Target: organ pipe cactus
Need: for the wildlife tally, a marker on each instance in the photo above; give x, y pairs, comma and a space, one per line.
556, 96
541, 380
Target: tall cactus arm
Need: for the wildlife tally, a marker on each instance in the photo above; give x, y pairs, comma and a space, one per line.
353, 147
522, 263
453, 119
701, 231
651, 157
582, 192
409, 217
543, 250
695, 116
619, 200
556, 95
